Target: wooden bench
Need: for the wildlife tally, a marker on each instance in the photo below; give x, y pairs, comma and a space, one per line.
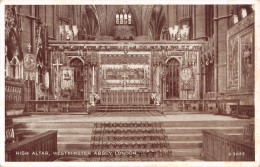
41, 147
218, 146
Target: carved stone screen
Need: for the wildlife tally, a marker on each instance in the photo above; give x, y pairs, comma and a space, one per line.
125, 78
125, 71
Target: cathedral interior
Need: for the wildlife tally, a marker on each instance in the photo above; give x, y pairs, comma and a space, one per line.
129, 83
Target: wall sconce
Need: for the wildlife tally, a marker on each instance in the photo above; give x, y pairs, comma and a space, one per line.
179, 34
75, 31
61, 31
235, 19
243, 12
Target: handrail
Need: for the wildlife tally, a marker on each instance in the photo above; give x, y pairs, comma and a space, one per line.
229, 138
218, 146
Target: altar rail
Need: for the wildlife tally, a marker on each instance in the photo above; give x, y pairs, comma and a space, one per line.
14, 94
115, 97
192, 105
218, 146
38, 148
232, 107
48, 105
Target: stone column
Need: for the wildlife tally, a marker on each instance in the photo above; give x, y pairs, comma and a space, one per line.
221, 47
172, 15
200, 21
85, 80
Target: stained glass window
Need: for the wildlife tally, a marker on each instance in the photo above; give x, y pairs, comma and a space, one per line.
123, 17
129, 18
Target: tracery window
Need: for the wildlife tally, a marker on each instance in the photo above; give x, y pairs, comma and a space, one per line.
123, 17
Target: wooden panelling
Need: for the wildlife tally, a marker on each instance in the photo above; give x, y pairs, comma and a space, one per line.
218, 146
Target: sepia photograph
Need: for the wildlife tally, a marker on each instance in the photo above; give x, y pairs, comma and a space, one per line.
125, 82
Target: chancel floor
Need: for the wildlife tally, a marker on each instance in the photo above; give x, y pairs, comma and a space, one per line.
182, 132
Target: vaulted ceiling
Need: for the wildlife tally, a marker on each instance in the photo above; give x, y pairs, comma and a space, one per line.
145, 18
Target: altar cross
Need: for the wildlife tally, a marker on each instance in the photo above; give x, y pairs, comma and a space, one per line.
57, 78
57, 65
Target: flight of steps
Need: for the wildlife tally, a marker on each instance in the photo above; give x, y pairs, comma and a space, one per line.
129, 141
72, 136
126, 108
184, 137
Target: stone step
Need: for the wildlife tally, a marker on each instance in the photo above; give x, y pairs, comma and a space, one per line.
126, 106
126, 114
186, 152
58, 125
43, 122
179, 113
71, 131
77, 110
184, 137
66, 138
198, 130
204, 123
124, 110
168, 130
64, 125
185, 144
84, 146
69, 146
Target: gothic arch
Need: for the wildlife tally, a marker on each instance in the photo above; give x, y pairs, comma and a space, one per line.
157, 21
76, 57
147, 15
78, 67
173, 57
89, 18
173, 78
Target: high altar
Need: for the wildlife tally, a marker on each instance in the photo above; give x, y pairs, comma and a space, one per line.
125, 72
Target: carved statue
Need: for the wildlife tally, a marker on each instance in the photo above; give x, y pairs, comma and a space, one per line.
173, 31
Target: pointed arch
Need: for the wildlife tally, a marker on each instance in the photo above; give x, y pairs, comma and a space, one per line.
172, 75
90, 21
157, 21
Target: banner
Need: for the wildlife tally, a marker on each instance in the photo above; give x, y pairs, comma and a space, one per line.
30, 62
67, 78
